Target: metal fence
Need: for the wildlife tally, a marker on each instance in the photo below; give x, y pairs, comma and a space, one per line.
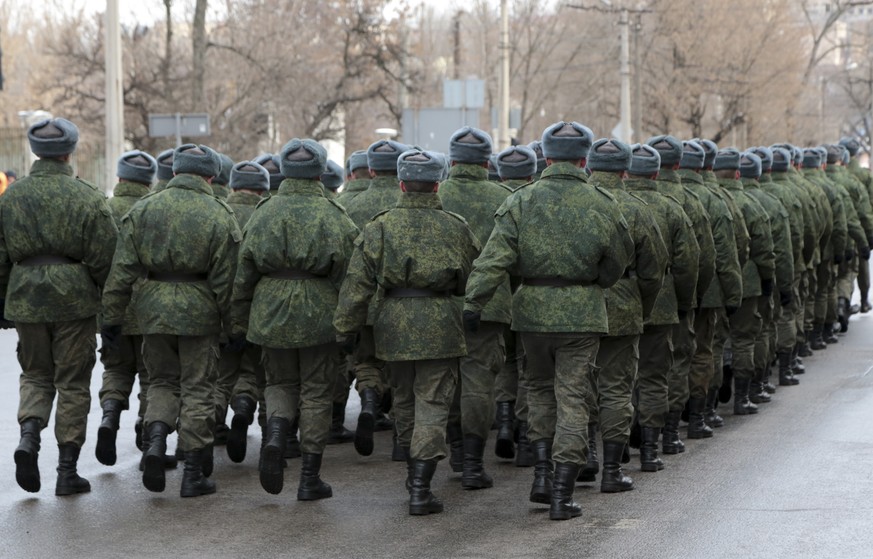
88, 160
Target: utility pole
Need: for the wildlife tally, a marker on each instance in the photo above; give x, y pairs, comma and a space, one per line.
625, 131
637, 111
456, 62
503, 83
114, 99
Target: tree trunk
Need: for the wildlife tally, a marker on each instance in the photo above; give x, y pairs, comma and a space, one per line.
198, 55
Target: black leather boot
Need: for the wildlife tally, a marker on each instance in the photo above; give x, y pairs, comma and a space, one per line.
757, 394
69, 481
797, 366
786, 374
421, 500
474, 475
670, 442
338, 433
541, 489
613, 479
816, 342
562, 505
803, 349
455, 437
170, 460
107, 431
742, 404
194, 482
592, 465
397, 450
827, 334
292, 444
710, 413
843, 313
408, 456
505, 445
311, 487
697, 427
524, 456
649, 459
244, 409
27, 455
219, 433
383, 419
271, 463
370, 400
153, 458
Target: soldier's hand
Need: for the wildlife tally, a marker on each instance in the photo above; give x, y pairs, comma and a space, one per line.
347, 343
785, 298
864, 252
850, 255
235, 344
471, 321
4, 324
731, 310
766, 287
109, 335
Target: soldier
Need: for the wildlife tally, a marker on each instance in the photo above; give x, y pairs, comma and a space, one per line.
381, 194
863, 175
560, 309
220, 189
757, 279
421, 255
136, 172
292, 264
271, 163
684, 337
516, 166
241, 378
468, 193
357, 179
183, 241
629, 304
675, 297
537, 147
332, 178
56, 241
726, 289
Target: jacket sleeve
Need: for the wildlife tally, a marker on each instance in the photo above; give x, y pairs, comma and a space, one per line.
684, 268
498, 260
359, 285
247, 278
618, 251
222, 267
651, 261
100, 240
760, 241
783, 251
126, 269
703, 233
727, 263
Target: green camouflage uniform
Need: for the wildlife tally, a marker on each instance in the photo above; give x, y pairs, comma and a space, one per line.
296, 232
628, 303
51, 214
414, 246
832, 254
351, 190
221, 191
860, 202
825, 220
866, 180
184, 242
537, 237
677, 292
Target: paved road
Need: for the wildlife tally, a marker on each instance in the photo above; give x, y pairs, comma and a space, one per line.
794, 481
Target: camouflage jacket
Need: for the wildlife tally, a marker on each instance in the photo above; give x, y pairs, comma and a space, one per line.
668, 182
863, 175
382, 194
780, 231
741, 234
559, 227
470, 194
856, 196
161, 185
727, 290
802, 234
762, 261
677, 232
183, 229
51, 213
299, 229
415, 245
630, 301
221, 191
514, 184
243, 205
125, 195
822, 212
839, 237
351, 190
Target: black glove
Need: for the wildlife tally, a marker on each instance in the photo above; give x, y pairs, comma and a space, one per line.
347, 343
4, 324
850, 255
864, 252
235, 344
109, 335
471, 321
730, 311
785, 298
766, 287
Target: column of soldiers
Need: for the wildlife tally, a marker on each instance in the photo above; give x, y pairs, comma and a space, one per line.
554, 290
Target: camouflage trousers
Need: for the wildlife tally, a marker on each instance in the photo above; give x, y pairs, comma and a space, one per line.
765, 344
302, 380
120, 368
824, 289
612, 384
656, 359
846, 274
701, 371
721, 334
557, 376
369, 370
345, 376
809, 302
486, 354
684, 346
508, 386
785, 319
864, 278
745, 329
423, 392
182, 371
800, 307
57, 358
240, 373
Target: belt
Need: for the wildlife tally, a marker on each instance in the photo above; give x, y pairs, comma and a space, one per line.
408, 292
553, 282
293, 274
176, 277
47, 260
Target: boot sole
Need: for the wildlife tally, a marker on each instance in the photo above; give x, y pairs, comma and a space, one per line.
237, 438
198, 493
564, 515
650, 468
314, 495
615, 488
541, 498
364, 434
504, 447
153, 477
473, 484
67, 491
105, 450
271, 475
700, 435
27, 471
424, 510
672, 450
